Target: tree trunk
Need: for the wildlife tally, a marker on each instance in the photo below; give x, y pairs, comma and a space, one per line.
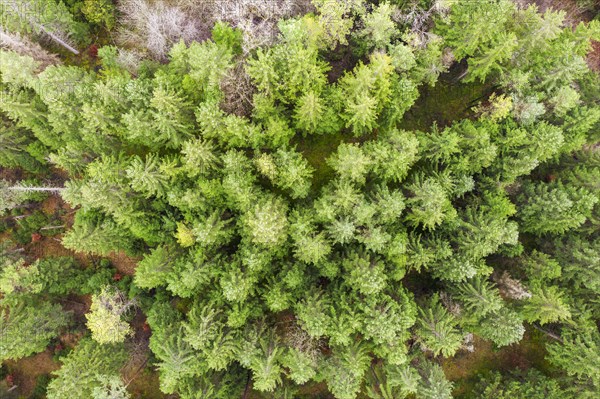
36, 189
548, 333
247, 388
52, 227
58, 40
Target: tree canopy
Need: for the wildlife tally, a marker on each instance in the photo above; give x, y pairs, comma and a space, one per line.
338, 194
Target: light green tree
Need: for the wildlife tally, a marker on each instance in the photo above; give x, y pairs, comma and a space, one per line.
266, 223
83, 368
437, 329
546, 305
105, 319
112, 388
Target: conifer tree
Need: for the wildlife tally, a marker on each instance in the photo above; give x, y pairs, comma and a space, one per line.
578, 356
433, 384
503, 327
112, 388
554, 208
546, 305
429, 204
27, 328
84, 368
105, 317
437, 330
98, 238
266, 222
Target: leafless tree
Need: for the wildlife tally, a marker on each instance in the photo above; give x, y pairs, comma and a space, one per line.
238, 91
24, 46
158, 25
510, 287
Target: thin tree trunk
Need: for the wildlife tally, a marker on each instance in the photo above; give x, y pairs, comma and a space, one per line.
31, 189
548, 333
137, 372
56, 39
52, 227
462, 75
247, 388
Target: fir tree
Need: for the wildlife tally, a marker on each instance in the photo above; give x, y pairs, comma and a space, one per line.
27, 328
437, 330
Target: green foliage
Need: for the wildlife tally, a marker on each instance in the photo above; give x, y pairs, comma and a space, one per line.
27, 328
379, 28
270, 257
18, 279
503, 327
365, 274
433, 384
365, 92
146, 176
478, 297
345, 369
98, 238
577, 355
16, 145
227, 37
105, 317
532, 384
85, 368
546, 305
580, 261
100, 12
288, 170
437, 330
112, 388
429, 205
266, 223
554, 208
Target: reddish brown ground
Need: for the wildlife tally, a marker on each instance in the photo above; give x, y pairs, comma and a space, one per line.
143, 384
593, 58
27, 370
575, 13
124, 264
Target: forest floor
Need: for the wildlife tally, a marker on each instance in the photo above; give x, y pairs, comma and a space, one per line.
464, 368
30, 372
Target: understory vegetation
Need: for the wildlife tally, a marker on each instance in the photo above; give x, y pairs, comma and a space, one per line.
299, 199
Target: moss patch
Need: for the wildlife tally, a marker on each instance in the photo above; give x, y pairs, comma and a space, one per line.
464, 368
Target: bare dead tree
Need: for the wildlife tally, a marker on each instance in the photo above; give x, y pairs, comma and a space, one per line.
238, 90
511, 287
24, 46
36, 189
156, 26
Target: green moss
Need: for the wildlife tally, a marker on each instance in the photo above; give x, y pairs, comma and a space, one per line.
447, 101
464, 369
316, 149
